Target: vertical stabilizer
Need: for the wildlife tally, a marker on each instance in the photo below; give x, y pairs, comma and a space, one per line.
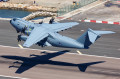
90, 36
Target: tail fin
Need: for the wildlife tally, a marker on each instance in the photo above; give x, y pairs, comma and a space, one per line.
90, 36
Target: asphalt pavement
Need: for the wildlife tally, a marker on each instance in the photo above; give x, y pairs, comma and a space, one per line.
39, 64
107, 45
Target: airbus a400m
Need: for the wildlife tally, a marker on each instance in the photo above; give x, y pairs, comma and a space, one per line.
46, 34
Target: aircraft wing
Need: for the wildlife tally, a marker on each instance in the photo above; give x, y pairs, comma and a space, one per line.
61, 26
37, 34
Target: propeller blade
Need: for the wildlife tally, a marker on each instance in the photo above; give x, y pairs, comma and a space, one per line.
19, 39
23, 29
51, 20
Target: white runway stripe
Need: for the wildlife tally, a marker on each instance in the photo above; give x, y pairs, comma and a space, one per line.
67, 53
13, 77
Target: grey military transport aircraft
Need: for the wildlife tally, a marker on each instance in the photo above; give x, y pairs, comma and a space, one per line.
46, 34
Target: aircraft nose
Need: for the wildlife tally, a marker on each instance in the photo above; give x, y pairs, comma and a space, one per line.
13, 20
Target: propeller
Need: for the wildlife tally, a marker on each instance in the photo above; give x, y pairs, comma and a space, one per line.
23, 29
41, 22
17, 31
51, 20
19, 38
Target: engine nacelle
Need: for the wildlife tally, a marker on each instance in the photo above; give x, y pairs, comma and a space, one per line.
22, 37
27, 32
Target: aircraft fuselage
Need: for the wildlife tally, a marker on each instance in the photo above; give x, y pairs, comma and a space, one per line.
45, 34
54, 38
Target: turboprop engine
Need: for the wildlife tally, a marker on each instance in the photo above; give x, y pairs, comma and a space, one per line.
22, 37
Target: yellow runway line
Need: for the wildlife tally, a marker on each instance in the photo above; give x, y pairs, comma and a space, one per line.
20, 45
78, 52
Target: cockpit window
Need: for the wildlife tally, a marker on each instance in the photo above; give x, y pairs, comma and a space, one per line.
14, 19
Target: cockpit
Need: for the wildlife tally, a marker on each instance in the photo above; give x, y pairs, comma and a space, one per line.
14, 19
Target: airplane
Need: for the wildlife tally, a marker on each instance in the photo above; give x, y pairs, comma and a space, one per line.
47, 34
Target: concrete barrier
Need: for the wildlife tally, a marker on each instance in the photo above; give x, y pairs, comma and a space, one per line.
38, 14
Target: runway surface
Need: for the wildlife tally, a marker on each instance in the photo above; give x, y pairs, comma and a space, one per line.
41, 64
107, 45
56, 65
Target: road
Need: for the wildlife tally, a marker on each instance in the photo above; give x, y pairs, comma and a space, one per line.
56, 65
107, 45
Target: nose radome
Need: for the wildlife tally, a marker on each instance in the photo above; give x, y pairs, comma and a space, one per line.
13, 20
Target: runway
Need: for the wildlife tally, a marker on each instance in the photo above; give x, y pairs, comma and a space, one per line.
107, 45
56, 65
41, 64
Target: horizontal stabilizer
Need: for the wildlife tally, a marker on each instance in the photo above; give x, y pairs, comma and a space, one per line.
103, 32
93, 35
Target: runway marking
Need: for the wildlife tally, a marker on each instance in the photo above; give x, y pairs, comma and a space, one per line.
13, 77
97, 56
82, 30
67, 53
78, 52
20, 45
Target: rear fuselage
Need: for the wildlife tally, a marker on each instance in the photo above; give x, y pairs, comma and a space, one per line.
58, 40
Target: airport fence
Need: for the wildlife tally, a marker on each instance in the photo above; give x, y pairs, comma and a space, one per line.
65, 9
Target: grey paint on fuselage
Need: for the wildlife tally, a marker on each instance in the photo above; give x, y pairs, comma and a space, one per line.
58, 40
47, 34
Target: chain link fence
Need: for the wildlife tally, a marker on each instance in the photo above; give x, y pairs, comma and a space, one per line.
74, 6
